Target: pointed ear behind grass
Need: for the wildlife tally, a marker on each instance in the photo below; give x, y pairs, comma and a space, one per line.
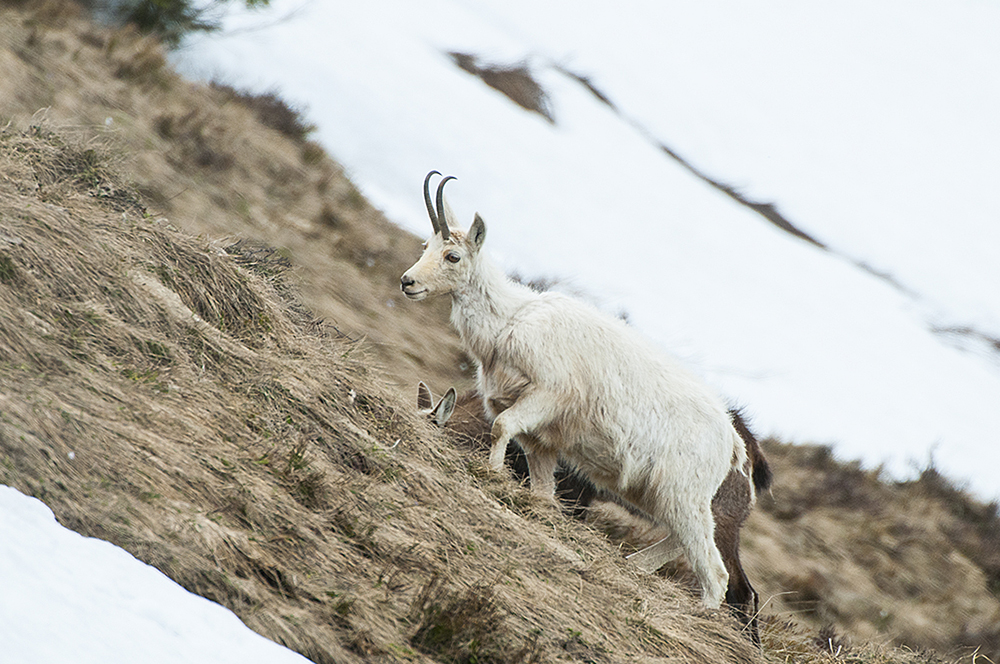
445, 407
424, 398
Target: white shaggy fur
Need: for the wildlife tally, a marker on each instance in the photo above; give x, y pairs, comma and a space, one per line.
569, 381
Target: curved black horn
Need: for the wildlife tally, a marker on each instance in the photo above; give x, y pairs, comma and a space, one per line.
442, 217
427, 202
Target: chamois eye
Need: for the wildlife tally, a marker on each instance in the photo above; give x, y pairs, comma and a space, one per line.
452, 257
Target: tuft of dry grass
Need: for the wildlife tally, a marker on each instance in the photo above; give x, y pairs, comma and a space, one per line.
271, 110
464, 626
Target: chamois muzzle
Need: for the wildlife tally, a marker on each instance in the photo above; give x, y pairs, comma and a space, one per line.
409, 287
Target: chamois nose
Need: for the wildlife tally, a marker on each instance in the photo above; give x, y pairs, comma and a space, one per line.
406, 280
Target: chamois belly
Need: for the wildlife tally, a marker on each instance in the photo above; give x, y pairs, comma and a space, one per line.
594, 457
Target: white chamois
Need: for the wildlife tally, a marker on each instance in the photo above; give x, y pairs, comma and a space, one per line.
567, 380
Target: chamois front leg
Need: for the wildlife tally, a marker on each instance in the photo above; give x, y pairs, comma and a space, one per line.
527, 415
498, 446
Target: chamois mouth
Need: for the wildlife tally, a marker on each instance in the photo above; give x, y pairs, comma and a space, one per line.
415, 294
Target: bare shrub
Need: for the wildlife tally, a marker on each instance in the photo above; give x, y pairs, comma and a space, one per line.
272, 111
516, 82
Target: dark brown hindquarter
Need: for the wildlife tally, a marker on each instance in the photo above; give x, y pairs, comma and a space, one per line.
731, 507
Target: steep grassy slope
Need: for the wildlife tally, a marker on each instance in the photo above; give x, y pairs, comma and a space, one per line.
162, 392
164, 385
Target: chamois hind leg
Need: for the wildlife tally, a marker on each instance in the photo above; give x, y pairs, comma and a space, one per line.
542, 471
695, 532
744, 601
740, 595
528, 414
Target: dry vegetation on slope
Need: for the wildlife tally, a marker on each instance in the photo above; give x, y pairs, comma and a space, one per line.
917, 562
220, 167
162, 392
162, 386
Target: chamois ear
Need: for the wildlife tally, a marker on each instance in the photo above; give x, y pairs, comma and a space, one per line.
424, 398
477, 233
442, 412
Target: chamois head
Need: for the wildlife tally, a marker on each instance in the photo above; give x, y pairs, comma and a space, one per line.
448, 254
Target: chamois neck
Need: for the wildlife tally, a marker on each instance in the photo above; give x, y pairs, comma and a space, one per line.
484, 306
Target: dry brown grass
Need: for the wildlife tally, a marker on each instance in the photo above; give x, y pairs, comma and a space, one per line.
163, 392
872, 560
273, 463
